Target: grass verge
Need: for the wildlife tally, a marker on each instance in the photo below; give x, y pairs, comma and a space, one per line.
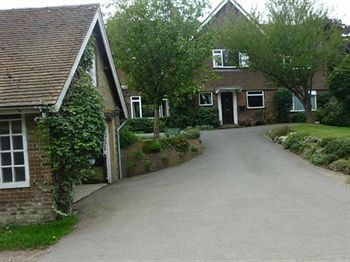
322, 131
14, 237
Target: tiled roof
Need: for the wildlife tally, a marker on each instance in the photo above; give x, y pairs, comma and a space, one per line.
38, 48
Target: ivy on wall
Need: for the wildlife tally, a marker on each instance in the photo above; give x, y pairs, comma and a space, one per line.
74, 135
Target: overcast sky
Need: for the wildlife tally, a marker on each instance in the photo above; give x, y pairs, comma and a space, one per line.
338, 8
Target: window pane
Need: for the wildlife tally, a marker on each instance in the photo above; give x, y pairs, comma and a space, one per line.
205, 99
6, 159
18, 158
228, 58
255, 101
7, 175
17, 142
136, 109
217, 60
5, 143
297, 105
20, 174
4, 127
243, 60
313, 102
16, 127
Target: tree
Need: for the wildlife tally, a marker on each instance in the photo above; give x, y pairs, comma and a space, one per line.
339, 83
159, 47
295, 43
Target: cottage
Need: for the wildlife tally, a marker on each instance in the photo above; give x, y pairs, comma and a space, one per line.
40, 50
241, 96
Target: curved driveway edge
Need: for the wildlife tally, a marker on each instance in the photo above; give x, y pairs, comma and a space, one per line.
244, 199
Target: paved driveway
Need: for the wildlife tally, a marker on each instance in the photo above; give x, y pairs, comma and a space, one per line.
245, 199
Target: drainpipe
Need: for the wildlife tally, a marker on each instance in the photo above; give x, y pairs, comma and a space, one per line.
119, 150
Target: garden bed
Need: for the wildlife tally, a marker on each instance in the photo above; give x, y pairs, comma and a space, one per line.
324, 146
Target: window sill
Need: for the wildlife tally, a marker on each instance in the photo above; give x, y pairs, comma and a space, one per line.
301, 111
252, 108
15, 185
206, 105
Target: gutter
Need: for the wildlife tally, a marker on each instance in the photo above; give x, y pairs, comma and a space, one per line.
119, 149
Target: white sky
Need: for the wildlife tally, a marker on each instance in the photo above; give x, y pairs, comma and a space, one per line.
338, 8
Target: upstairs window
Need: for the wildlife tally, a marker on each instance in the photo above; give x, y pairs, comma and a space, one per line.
206, 99
222, 58
14, 170
243, 60
299, 107
255, 99
136, 107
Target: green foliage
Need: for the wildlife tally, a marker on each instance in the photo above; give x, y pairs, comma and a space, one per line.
127, 138
299, 117
339, 83
280, 131
178, 143
159, 46
74, 135
295, 142
205, 116
333, 113
337, 148
172, 131
138, 155
291, 48
283, 100
191, 133
323, 131
151, 146
39, 236
341, 165
144, 125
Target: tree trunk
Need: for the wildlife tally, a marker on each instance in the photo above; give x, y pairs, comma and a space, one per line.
156, 122
308, 110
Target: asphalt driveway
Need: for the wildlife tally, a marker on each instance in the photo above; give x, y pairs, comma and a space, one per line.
244, 199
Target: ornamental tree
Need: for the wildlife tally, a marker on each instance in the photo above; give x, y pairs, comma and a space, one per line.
159, 47
290, 44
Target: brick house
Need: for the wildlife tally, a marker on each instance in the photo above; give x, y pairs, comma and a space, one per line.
40, 50
241, 96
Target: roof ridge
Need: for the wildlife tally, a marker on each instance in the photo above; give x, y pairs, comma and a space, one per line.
92, 5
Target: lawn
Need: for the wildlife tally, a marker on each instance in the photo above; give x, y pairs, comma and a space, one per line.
15, 237
323, 131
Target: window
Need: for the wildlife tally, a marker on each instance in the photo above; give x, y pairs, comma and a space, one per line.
164, 108
299, 107
14, 171
92, 71
206, 99
243, 60
136, 107
255, 99
221, 59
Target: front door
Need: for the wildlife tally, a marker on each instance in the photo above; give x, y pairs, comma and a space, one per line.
227, 108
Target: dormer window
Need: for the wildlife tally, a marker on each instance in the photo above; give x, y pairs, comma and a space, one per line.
222, 58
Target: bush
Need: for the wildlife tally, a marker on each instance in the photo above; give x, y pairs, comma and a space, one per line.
337, 149
205, 116
144, 125
281, 131
295, 142
127, 138
191, 133
151, 146
341, 165
298, 117
333, 114
177, 143
283, 100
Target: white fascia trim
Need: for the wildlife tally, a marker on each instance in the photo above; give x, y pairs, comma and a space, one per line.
76, 63
111, 63
219, 7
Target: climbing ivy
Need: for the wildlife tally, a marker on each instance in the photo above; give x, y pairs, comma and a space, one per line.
74, 135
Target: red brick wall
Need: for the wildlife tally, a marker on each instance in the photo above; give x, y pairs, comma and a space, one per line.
30, 205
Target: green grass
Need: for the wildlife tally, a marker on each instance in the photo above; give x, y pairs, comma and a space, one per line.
15, 237
322, 131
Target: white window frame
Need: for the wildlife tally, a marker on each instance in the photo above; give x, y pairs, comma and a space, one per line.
211, 99
14, 184
92, 71
248, 94
167, 109
132, 100
243, 63
221, 53
313, 94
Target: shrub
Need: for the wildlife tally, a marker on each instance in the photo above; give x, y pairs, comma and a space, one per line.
298, 117
341, 165
205, 116
280, 131
337, 148
177, 143
191, 133
151, 146
295, 142
333, 113
127, 138
172, 131
283, 100
144, 125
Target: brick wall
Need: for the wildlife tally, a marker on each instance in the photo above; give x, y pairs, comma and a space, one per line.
29, 205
